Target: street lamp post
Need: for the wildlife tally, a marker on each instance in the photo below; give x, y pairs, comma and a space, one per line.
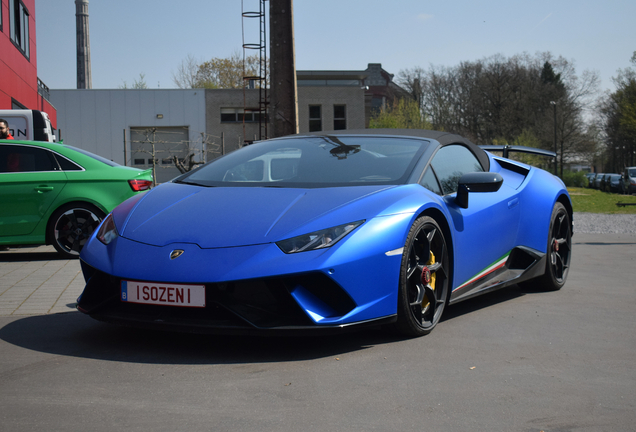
553, 103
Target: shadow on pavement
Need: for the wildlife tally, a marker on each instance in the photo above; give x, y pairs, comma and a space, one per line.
18, 256
605, 243
483, 301
77, 335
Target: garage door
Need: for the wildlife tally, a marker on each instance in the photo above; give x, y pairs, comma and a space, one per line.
162, 144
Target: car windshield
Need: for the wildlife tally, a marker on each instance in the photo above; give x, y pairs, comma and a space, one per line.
632, 172
94, 156
315, 161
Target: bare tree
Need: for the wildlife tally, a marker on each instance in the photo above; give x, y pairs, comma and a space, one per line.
184, 155
199, 153
186, 75
137, 83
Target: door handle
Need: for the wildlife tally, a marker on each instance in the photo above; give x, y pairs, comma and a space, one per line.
42, 189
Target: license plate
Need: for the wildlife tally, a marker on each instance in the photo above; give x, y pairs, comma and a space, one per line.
163, 294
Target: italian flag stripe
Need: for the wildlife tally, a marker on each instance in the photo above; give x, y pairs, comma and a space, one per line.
491, 268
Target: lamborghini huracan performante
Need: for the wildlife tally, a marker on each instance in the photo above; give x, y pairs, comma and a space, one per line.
329, 230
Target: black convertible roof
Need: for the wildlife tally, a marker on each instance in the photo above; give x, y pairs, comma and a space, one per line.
444, 138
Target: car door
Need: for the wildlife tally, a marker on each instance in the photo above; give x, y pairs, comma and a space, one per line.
30, 181
486, 231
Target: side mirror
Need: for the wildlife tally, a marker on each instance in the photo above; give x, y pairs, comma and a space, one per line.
477, 182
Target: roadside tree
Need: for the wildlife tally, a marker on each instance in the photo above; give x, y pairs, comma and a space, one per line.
222, 73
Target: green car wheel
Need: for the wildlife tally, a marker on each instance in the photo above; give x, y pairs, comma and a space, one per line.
72, 225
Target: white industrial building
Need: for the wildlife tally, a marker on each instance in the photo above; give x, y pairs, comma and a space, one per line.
129, 126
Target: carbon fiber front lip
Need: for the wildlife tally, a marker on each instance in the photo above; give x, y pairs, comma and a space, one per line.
183, 326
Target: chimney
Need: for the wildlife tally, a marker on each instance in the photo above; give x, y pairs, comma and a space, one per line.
283, 106
84, 80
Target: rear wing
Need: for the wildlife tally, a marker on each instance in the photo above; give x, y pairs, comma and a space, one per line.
521, 149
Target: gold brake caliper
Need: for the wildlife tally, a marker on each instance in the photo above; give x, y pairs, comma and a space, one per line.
431, 276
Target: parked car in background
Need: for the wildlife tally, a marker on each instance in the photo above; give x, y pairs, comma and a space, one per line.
629, 180
25, 124
597, 180
590, 179
57, 194
614, 183
605, 182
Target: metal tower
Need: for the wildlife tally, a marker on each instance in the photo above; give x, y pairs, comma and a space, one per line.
259, 80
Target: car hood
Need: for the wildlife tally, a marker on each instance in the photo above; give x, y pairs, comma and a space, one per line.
237, 216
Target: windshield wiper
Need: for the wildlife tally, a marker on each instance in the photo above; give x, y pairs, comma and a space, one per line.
192, 183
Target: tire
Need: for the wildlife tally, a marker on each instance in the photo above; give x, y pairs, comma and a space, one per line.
71, 226
559, 250
423, 290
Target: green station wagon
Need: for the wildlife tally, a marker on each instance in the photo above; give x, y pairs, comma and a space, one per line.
57, 194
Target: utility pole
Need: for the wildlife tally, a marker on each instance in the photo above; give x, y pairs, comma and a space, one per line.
553, 103
283, 106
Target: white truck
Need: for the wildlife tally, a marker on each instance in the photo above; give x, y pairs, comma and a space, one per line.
32, 125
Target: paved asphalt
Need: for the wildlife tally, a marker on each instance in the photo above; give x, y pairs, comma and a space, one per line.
36, 281
513, 360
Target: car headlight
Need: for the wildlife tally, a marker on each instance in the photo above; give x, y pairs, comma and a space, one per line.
107, 231
317, 239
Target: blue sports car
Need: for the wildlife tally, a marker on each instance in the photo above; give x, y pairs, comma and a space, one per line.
328, 230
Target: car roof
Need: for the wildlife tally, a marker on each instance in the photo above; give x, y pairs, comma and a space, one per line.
42, 144
77, 155
443, 138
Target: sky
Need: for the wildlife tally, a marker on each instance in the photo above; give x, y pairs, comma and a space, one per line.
153, 37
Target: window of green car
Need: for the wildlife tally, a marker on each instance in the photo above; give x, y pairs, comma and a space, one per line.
94, 156
66, 164
16, 158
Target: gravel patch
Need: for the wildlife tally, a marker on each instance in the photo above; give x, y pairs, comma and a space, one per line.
597, 223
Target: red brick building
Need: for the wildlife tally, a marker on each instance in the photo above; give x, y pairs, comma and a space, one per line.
20, 87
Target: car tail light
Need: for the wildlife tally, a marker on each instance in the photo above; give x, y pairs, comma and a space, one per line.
139, 185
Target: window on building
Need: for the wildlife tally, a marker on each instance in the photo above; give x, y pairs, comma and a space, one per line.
339, 117
315, 118
313, 83
235, 115
16, 105
378, 103
19, 24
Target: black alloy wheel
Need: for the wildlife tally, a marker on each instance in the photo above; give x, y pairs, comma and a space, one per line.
559, 249
424, 278
71, 226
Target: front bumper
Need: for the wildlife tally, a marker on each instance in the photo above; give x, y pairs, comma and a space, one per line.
272, 304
